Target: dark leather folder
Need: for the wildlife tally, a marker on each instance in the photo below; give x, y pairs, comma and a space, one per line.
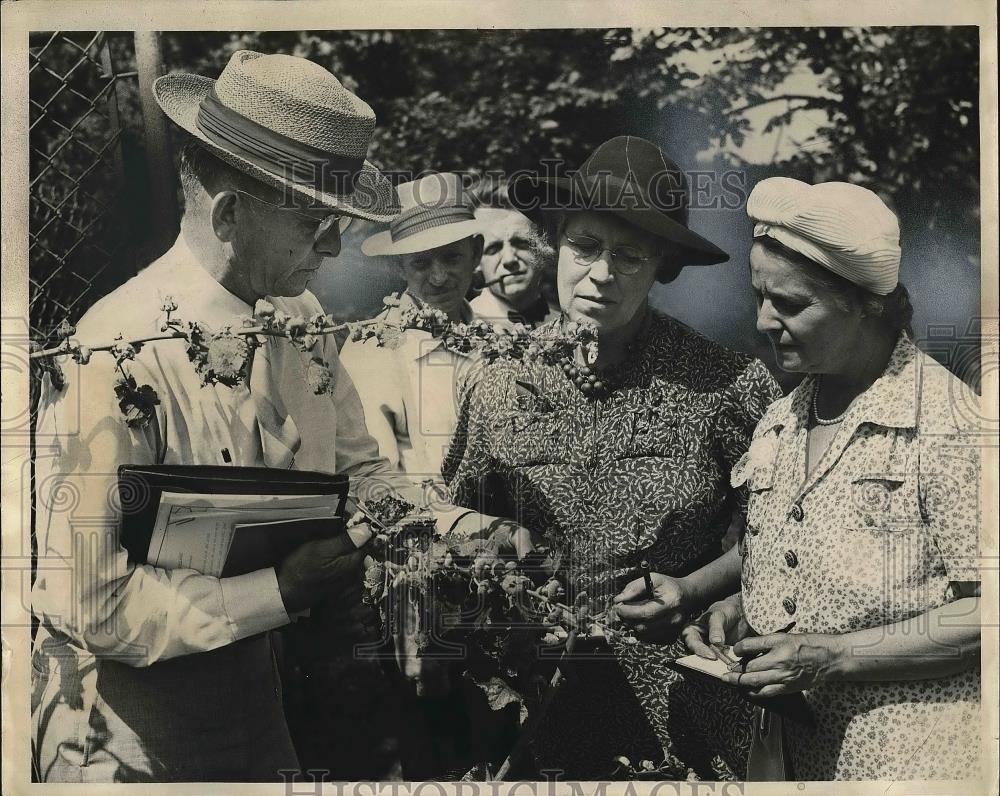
140, 487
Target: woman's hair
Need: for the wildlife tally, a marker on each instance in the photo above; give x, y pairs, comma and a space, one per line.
554, 225
894, 309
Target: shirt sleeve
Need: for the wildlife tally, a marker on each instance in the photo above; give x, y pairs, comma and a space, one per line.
357, 451
86, 587
371, 372
950, 500
468, 460
745, 403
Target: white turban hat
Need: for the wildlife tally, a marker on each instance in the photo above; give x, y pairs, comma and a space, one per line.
842, 227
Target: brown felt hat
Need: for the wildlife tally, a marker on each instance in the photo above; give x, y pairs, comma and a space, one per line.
632, 178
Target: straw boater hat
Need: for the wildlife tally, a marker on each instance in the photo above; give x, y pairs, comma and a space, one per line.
633, 179
289, 123
436, 210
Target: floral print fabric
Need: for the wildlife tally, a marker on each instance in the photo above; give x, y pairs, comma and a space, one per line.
642, 473
887, 519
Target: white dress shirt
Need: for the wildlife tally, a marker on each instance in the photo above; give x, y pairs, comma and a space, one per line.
409, 394
86, 587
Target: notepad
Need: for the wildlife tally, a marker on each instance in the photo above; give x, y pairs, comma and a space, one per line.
792, 706
715, 668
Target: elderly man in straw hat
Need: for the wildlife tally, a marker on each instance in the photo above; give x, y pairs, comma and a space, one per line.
147, 674
407, 390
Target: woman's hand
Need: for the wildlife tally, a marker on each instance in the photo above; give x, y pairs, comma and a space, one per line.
722, 623
786, 663
657, 617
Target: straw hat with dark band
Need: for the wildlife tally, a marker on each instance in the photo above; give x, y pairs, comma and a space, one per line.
289, 123
436, 211
632, 178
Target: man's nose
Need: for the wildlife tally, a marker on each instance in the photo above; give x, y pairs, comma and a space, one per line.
509, 258
438, 275
328, 241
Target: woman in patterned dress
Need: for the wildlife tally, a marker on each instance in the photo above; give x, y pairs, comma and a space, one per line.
862, 526
623, 460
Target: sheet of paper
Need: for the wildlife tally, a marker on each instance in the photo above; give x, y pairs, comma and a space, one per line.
196, 531
716, 668
247, 502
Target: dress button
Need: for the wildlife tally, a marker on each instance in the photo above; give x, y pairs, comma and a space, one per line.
791, 559
797, 512
789, 605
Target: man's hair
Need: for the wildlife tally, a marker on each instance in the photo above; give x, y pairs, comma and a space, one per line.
202, 172
492, 193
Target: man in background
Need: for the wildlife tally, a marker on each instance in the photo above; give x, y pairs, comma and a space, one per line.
513, 266
408, 389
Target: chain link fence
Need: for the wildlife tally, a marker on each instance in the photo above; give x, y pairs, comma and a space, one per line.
91, 190
77, 243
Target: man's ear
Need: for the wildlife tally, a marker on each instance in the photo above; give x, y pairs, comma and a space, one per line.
477, 249
224, 209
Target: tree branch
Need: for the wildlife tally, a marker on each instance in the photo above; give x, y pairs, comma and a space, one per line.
811, 100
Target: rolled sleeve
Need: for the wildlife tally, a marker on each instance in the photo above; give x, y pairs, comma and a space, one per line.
253, 603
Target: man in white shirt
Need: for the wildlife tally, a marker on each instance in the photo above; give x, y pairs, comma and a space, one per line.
408, 391
147, 674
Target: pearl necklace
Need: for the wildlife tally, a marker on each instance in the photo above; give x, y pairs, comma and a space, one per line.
823, 421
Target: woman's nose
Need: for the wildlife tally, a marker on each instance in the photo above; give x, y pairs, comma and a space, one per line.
767, 321
600, 269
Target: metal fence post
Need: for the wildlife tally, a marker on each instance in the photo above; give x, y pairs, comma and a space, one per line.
164, 222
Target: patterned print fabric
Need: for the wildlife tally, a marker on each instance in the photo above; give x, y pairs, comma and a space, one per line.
873, 536
642, 473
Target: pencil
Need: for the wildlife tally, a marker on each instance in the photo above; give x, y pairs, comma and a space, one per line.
747, 658
644, 566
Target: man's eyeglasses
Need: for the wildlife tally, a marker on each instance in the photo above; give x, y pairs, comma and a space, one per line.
322, 224
626, 260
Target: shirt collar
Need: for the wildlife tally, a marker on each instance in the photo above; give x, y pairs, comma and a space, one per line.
198, 295
892, 401
414, 341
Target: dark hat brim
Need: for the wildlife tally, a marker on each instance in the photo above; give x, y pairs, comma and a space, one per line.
374, 198
528, 193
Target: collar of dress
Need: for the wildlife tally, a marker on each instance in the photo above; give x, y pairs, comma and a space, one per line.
893, 401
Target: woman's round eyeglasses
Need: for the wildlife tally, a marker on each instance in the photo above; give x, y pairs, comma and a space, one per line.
626, 260
322, 224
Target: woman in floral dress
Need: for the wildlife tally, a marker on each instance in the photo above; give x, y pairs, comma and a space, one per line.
621, 460
863, 522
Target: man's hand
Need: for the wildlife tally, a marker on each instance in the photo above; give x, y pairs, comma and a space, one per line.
722, 623
319, 569
659, 616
